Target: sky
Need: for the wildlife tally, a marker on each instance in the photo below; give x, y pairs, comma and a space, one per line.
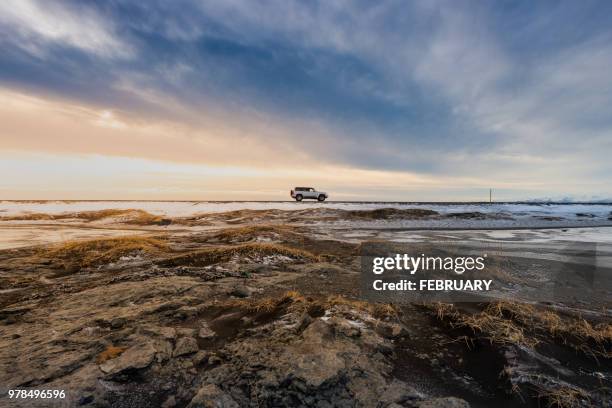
243, 100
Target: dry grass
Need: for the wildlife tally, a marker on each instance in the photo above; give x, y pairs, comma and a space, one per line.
110, 353
102, 251
211, 256
292, 296
266, 305
494, 328
497, 330
443, 311
132, 216
564, 397
521, 323
591, 339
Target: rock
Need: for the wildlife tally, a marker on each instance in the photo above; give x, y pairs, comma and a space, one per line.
399, 392
91, 331
316, 368
118, 322
185, 332
170, 402
211, 396
214, 360
10, 320
185, 345
448, 402
186, 312
241, 291
391, 330
85, 400
305, 320
316, 310
163, 350
206, 332
200, 358
136, 357
345, 327
167, 333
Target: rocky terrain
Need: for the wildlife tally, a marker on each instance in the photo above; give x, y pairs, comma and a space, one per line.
262, 309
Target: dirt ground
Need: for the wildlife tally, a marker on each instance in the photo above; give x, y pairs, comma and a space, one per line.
263, 309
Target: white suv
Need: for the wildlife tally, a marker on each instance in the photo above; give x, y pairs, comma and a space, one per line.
300, 193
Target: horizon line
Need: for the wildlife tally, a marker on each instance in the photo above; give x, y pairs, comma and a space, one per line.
534, 201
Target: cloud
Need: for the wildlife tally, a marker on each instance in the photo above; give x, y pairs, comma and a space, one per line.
63, 127
35, 26
499, 95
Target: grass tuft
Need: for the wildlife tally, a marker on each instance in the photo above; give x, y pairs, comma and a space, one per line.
520, 323
495, 328
589, 338
266, 305
101, 251
564, 397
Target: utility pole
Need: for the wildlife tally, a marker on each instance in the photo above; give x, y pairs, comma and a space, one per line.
490, 196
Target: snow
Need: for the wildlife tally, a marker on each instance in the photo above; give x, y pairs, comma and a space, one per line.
521, 224
190, 208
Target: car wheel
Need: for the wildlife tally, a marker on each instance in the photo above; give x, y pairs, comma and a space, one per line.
321, 198
298, 197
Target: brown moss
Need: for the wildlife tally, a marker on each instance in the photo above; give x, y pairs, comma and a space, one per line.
110, 353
